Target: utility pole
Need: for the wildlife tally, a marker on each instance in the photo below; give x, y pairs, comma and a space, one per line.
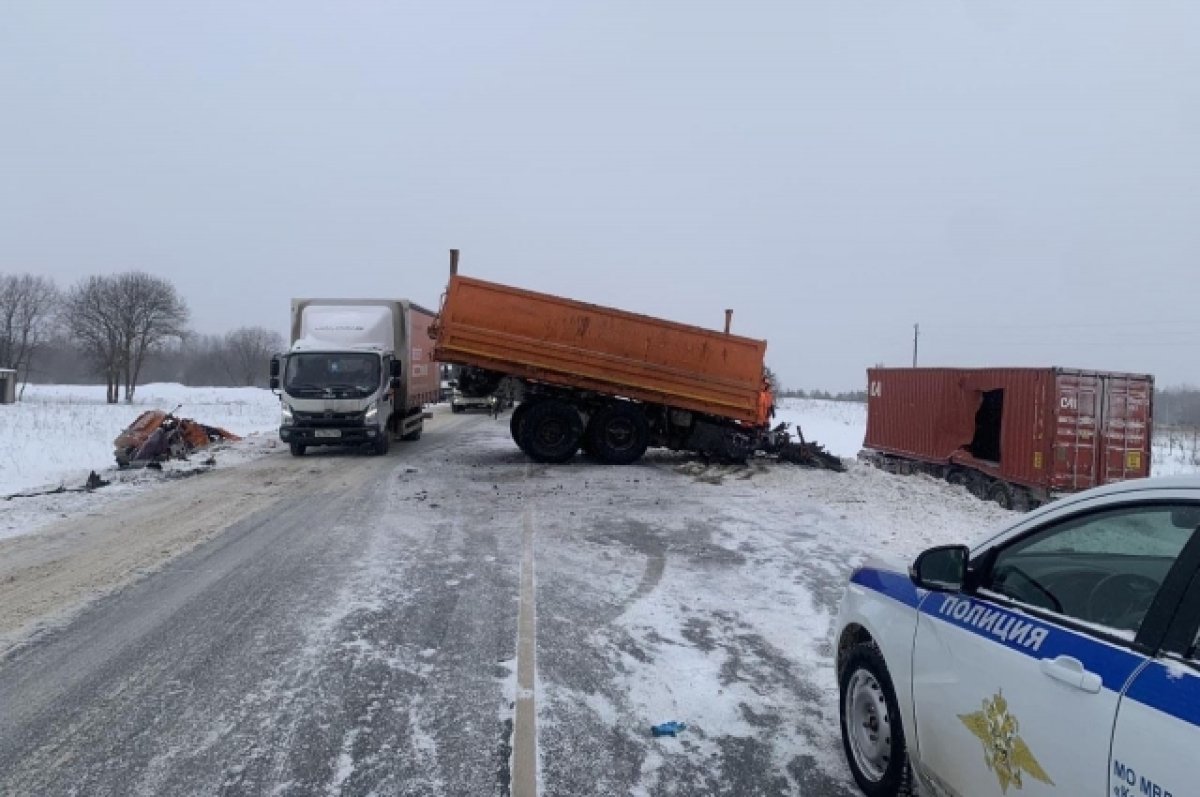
916, 336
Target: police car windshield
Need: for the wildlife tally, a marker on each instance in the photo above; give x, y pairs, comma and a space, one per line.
1103, 569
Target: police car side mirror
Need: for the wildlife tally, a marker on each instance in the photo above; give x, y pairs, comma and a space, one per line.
942, 569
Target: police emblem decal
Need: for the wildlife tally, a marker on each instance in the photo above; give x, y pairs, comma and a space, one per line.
1004, 751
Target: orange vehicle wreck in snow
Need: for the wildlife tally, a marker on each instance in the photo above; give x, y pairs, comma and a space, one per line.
157, 436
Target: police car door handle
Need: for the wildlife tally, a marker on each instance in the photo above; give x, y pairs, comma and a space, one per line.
1070, 671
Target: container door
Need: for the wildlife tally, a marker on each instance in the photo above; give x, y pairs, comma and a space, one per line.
1076, 453
1124, 428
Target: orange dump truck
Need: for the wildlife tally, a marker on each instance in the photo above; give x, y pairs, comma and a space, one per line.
609, 381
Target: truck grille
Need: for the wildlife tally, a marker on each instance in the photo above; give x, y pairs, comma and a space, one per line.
338, 419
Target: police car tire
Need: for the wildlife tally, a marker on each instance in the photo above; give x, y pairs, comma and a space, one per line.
896, 780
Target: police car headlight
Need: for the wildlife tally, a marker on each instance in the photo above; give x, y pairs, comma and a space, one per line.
371, 415
285, 415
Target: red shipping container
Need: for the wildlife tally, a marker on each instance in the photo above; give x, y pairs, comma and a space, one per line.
1049, 430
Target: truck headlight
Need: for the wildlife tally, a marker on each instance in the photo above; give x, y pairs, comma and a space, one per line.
285, 415
372, 414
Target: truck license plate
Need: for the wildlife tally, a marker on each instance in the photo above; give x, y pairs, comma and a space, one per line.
327, 433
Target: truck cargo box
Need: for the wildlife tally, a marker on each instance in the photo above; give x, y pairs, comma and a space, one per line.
548, 339
1050, 430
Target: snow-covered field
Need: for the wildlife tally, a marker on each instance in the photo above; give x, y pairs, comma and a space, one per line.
837, 425
1176, 452
60, 433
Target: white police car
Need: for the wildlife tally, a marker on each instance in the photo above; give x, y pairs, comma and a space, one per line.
1056, 657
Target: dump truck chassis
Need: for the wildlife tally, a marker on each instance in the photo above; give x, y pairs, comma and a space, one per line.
553, 423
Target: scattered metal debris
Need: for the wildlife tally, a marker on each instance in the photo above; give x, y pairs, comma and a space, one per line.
157, 436
94, 482
808, 453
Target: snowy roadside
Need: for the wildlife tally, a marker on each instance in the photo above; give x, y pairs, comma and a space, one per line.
59, 434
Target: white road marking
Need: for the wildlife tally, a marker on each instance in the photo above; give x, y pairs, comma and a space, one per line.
524, 770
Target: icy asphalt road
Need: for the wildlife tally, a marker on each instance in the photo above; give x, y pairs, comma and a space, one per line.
357, 634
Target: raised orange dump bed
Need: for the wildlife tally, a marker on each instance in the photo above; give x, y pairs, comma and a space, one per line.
558, 341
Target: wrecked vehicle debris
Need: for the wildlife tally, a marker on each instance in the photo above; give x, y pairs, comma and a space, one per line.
156, 436
94, 482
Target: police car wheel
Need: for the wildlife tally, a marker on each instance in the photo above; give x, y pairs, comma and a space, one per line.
871, 731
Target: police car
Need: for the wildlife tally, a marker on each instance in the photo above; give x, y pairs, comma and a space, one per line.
1056, 657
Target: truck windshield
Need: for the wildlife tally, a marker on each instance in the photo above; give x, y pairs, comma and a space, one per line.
345, 375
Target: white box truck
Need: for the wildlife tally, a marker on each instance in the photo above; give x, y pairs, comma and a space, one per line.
358, 373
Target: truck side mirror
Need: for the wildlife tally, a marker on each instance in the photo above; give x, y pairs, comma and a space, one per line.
397, 369
274, 383
941, 569
275, 367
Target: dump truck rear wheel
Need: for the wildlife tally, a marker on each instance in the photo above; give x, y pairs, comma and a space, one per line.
618, 434
550, 431
517, 420
297, 449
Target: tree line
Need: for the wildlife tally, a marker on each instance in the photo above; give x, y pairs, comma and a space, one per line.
124, 329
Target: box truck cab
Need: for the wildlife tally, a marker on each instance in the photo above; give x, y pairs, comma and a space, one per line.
358, 373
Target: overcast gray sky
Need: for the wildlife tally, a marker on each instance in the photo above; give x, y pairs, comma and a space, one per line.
1021, 177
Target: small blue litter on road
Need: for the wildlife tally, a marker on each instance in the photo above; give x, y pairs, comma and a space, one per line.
667, 728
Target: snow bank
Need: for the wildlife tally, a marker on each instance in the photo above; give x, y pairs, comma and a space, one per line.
59, 433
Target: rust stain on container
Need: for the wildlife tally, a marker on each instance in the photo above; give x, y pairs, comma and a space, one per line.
1051, 429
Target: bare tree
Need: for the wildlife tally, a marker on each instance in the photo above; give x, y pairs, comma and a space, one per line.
247, 351
90, 315
149, 312
28, 305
